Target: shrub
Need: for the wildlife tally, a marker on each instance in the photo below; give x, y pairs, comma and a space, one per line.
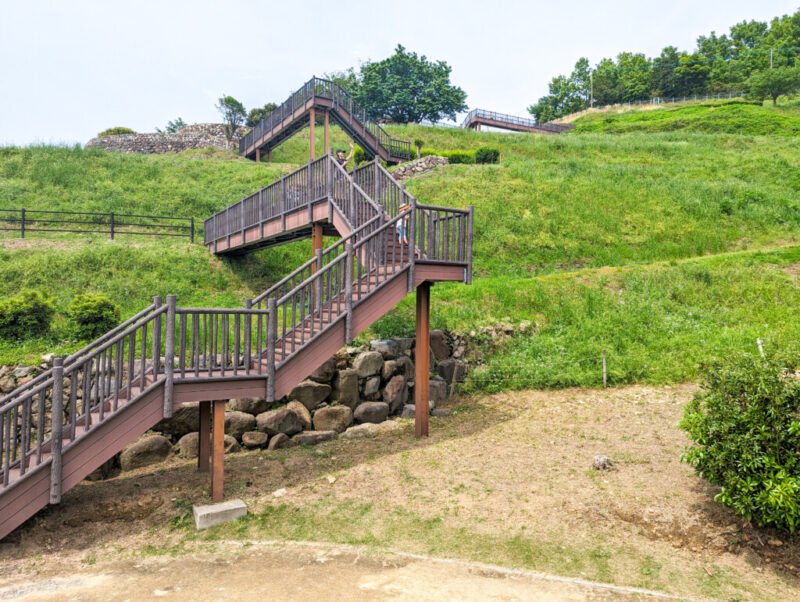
746, 430
454, 156
26, 316
359, 156
115, 132
487, 154
91, 315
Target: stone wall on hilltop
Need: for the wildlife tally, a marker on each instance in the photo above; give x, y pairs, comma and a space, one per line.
200, 135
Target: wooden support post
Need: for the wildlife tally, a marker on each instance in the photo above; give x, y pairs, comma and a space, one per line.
269, 155
423, 359
258, 155
217, 449
325, 132
203, 445
57, 417
169, 357
312, 118
316, 242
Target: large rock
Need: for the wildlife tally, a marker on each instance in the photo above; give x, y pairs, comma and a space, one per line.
251, 405
405, 366
184, 420
372, 387
302, 413
279, 421
314, 437
439, 345
148, 450
389, 369
437, 392
341, 358
238, 423
368, 364
333, 418
324, 374
388, 348
7, 384
405, 345
368, 429
280, 441
310, 393
188, 445
395, 395
254, 439
345, 388
371, 411
231, 445
452, 370
408, 411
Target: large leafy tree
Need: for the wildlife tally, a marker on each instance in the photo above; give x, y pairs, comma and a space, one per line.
256, 115
566, 94
771, 83
407, 88
233, 114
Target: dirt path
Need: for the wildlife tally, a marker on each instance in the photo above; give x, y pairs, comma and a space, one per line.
506, 480
293, 571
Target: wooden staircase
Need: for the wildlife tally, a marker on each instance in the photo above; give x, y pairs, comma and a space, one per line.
69, 420
478, 117
320, 96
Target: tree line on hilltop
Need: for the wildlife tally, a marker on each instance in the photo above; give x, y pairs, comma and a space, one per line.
756, 58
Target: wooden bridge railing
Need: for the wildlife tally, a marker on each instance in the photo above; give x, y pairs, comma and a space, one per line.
324, 88
514, 120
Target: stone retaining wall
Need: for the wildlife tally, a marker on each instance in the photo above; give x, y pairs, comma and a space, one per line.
418, 167
200, 135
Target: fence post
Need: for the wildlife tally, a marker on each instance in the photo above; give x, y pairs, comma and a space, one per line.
156, 346
112, 225
191, 229
57, 420
169, 357
348, 293
241, 218
22, 225
309, 188
470, 222
412, 237
248, 304
284, 204
272, 335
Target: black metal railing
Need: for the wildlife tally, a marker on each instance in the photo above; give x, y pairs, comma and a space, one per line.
26, 221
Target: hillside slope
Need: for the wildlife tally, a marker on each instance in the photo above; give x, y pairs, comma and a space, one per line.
713, 117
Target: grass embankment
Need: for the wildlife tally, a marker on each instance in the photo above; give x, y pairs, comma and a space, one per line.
557, 207
717, 116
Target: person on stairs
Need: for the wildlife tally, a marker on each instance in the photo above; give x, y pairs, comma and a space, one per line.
402, 225
341, 159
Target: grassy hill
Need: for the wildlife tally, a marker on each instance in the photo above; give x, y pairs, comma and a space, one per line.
647, 246
717, 117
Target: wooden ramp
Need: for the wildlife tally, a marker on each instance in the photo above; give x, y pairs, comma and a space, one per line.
66, 422
478, 117
325, 99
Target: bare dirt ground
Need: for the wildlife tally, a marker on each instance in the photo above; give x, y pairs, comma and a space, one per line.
506, 479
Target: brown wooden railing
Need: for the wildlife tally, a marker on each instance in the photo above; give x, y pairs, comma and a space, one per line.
323, 88
514, 120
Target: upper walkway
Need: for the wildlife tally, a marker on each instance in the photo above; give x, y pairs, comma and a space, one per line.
478, 117
322, 97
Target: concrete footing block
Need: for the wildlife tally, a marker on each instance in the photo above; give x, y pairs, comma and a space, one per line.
215, 514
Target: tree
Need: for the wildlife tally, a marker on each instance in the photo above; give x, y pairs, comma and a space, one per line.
771, 83
567, 94
406, 88
634, 75
692, 74
233, 115
606, 85
256, 115
347, 79
663, 81
173, 126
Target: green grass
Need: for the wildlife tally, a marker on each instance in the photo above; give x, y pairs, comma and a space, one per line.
731, 117
557, 207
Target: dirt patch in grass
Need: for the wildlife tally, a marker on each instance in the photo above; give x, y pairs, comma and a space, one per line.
506, 479
793, 270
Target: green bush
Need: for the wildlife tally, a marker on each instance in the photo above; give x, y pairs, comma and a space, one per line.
116, 131
487, 154
359, 156
91, 315
746, 429
26, 316
454, 156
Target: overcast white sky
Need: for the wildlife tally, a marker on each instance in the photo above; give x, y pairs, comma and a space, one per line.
70, 69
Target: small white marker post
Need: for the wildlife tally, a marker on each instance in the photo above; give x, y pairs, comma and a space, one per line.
760, 347
604, 368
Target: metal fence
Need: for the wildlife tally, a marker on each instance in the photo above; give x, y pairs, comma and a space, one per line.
26, 221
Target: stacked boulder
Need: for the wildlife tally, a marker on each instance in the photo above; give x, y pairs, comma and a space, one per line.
418, 167
353, 394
